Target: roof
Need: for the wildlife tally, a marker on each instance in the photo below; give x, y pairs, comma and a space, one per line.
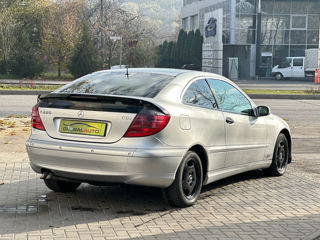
165, 71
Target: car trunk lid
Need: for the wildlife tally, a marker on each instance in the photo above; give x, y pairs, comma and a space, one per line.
88, 118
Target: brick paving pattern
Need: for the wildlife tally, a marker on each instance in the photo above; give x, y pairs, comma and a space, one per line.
247, 206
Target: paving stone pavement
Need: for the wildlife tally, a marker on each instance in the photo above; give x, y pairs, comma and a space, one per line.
247, 206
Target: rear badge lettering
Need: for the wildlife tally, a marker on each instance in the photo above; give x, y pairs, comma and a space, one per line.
126, 118
45, 112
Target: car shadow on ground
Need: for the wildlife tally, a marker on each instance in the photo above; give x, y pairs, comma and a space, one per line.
246, 176
284, 228
29, 206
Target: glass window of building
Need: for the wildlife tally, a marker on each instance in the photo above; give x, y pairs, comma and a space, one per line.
298, 37
313, 37
194, 22
267, 7
299, 7
297, 50
281, 22
280, 52
280, 6
245, 6
314, 7
313, 21
298, 21
184, 23
288, 27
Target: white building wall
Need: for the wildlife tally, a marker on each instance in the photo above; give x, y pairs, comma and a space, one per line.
193, 8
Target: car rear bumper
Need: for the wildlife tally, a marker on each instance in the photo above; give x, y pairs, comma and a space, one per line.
149, 167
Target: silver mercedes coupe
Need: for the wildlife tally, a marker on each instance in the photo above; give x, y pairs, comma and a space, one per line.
173, 129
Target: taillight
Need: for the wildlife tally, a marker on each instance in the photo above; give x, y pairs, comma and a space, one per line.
35, 119
146, 123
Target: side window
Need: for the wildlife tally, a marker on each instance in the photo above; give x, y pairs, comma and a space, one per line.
285, 63
229, 98
199, 94
298, 62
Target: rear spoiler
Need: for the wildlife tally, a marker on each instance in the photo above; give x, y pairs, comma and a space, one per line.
95, 102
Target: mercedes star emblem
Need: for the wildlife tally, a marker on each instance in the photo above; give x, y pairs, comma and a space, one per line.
81, 114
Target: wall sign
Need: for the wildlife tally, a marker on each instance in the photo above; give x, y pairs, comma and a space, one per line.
212, 47
211, 28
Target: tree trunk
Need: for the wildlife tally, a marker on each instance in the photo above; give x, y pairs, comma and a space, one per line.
59, 70
5, 66
109, 59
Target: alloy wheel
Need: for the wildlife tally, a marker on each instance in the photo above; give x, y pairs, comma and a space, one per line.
190, 178
281, 156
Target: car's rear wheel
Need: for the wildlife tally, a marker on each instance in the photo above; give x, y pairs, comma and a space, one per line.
280, 157
186, 188
61, 186
279, 76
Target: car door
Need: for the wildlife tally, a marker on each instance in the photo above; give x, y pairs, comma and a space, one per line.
285, 67
246, 135
297, 69
207, 122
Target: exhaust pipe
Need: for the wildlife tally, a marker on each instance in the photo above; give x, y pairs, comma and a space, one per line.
47, 175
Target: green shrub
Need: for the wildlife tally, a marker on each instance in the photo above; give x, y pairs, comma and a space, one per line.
84, 60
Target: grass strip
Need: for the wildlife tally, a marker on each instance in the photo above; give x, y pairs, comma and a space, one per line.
288, 92
23, 88
248, 91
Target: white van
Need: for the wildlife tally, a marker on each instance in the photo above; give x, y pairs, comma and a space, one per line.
297, 67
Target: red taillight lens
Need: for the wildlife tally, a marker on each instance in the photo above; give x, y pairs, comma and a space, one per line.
35, 119
146, 123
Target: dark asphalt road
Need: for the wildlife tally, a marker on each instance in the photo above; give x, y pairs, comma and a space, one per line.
301, 112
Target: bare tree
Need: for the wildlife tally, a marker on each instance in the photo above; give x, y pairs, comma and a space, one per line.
109, 18
61, 31
7, 35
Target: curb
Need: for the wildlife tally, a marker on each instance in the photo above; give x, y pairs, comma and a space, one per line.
284, 96
23, 92
253, 96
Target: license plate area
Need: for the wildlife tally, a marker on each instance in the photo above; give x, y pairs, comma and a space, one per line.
77, 127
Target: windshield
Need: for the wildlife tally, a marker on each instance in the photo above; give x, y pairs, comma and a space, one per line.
138, 84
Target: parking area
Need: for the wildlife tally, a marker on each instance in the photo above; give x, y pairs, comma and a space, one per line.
246, 206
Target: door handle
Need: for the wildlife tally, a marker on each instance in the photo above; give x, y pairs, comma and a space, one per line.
229, 120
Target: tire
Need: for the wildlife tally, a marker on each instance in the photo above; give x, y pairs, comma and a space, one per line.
280, 157
61, 186
186, 188
279, 76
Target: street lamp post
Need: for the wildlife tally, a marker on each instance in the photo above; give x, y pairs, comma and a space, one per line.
116, 38
258, 38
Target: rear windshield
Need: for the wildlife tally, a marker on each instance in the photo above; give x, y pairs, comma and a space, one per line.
139, 84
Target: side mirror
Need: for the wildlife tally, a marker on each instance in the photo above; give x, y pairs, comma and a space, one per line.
263, 111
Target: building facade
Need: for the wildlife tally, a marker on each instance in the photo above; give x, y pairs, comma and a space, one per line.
288, 28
